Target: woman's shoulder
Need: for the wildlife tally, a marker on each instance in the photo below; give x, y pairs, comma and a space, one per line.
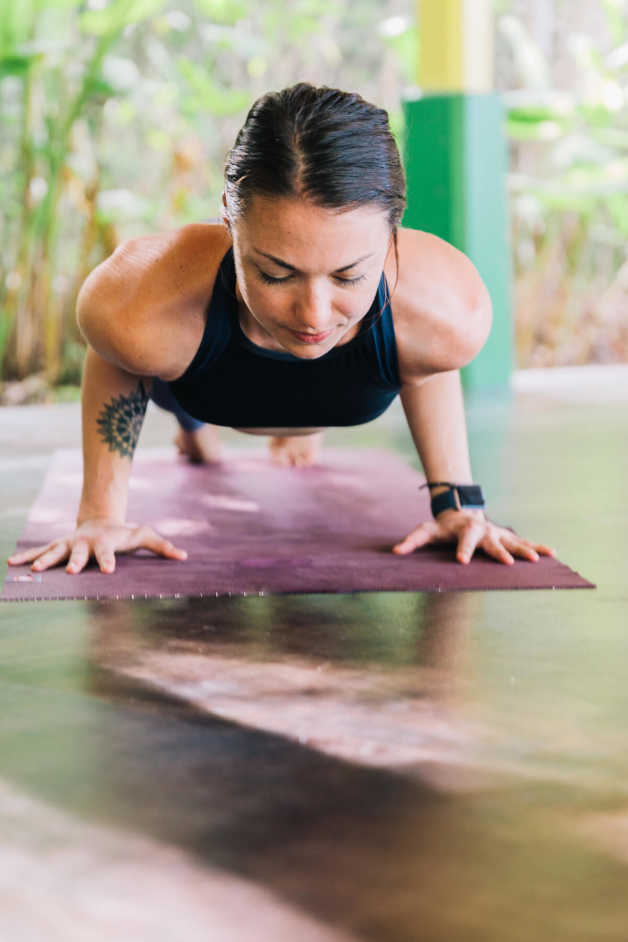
172, 272
441, 307
144, 307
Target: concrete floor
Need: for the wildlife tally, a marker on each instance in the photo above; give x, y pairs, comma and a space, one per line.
390, 767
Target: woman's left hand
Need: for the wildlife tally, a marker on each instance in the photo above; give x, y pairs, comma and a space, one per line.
470, 529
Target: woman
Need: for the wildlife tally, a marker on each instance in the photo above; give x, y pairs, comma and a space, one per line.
281, 322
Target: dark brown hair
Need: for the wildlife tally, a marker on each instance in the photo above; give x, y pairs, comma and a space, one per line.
322, 144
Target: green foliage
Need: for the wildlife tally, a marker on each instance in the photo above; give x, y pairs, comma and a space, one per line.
6, 325
117, 116
205, 95
117, 15
71, 364
17, 64
569, 187
404, 43
223, 11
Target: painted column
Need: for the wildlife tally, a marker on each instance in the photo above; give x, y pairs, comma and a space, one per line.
455, 160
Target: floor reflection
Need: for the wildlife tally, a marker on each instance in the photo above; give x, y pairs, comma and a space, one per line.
277, 671
374, 853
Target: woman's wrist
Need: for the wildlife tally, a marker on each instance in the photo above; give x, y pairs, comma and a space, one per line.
454, 495
99, 510
83, 518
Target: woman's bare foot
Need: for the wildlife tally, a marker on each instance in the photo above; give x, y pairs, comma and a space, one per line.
298, 451
201, 446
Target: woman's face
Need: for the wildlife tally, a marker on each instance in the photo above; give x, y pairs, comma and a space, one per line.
306, 276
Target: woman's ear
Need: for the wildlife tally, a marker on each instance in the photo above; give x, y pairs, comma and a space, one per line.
225, 217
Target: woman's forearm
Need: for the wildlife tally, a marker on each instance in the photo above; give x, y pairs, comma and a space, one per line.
114, 404
435, 414
113, 408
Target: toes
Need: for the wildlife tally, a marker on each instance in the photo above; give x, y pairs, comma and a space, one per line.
293, 452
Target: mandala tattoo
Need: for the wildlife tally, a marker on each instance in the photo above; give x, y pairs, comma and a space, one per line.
120, 422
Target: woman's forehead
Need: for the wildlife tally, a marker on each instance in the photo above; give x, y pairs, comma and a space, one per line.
271, 224
262, 205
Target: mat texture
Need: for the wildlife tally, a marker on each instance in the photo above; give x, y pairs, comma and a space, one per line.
251, 527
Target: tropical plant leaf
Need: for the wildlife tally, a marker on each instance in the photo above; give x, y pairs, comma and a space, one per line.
207, 94
117, 15
16, 65
223, 11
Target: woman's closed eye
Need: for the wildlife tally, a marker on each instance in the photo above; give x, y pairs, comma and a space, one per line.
270, 280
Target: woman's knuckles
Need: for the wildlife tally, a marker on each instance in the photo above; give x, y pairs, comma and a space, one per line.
145, 534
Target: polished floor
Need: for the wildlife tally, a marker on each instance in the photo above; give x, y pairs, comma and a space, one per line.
396, 767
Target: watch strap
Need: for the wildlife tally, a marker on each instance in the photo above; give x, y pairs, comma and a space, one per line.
457, 497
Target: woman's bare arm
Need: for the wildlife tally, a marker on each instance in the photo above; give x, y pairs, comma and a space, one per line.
113, 406
142, 313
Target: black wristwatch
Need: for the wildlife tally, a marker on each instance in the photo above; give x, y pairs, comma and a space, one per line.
458, 496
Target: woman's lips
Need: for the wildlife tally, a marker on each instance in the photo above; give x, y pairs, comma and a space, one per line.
311, 338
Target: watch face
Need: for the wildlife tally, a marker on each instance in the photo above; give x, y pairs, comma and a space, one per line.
471, 495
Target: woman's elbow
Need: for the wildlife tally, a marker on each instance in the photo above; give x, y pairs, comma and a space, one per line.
482, 322
472, 332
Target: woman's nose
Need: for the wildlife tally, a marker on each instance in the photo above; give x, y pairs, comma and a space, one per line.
313, 311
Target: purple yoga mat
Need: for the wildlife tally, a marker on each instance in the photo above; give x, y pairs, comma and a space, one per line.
252, 527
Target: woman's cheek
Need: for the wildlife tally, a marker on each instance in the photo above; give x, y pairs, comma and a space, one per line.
267, 307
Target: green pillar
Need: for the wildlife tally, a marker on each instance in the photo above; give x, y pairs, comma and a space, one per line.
456, 160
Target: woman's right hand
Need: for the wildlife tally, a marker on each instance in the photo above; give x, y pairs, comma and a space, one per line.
100, 538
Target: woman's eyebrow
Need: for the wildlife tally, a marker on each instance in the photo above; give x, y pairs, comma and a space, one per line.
283, 264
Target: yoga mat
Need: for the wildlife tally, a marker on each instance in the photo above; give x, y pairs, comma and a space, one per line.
251, 527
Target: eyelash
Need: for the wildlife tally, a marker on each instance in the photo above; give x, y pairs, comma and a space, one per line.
269, 280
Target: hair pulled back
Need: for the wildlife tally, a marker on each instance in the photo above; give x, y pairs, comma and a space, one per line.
320, 144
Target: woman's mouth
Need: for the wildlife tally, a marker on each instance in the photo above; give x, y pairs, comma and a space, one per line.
311, 338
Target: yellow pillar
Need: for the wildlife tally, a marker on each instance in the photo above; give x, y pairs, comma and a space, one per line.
455, 46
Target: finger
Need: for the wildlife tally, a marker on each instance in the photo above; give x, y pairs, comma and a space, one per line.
423, 534
536, 549
27, 556
78, 557
105, 557
54, 555
525, 552
165, 548
468, 541
146, 537
497, 549
543, 550
540, 548
518, 547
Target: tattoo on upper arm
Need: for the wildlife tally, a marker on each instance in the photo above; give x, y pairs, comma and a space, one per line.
120, 421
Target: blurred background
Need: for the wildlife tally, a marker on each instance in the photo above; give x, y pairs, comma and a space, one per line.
116, 116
